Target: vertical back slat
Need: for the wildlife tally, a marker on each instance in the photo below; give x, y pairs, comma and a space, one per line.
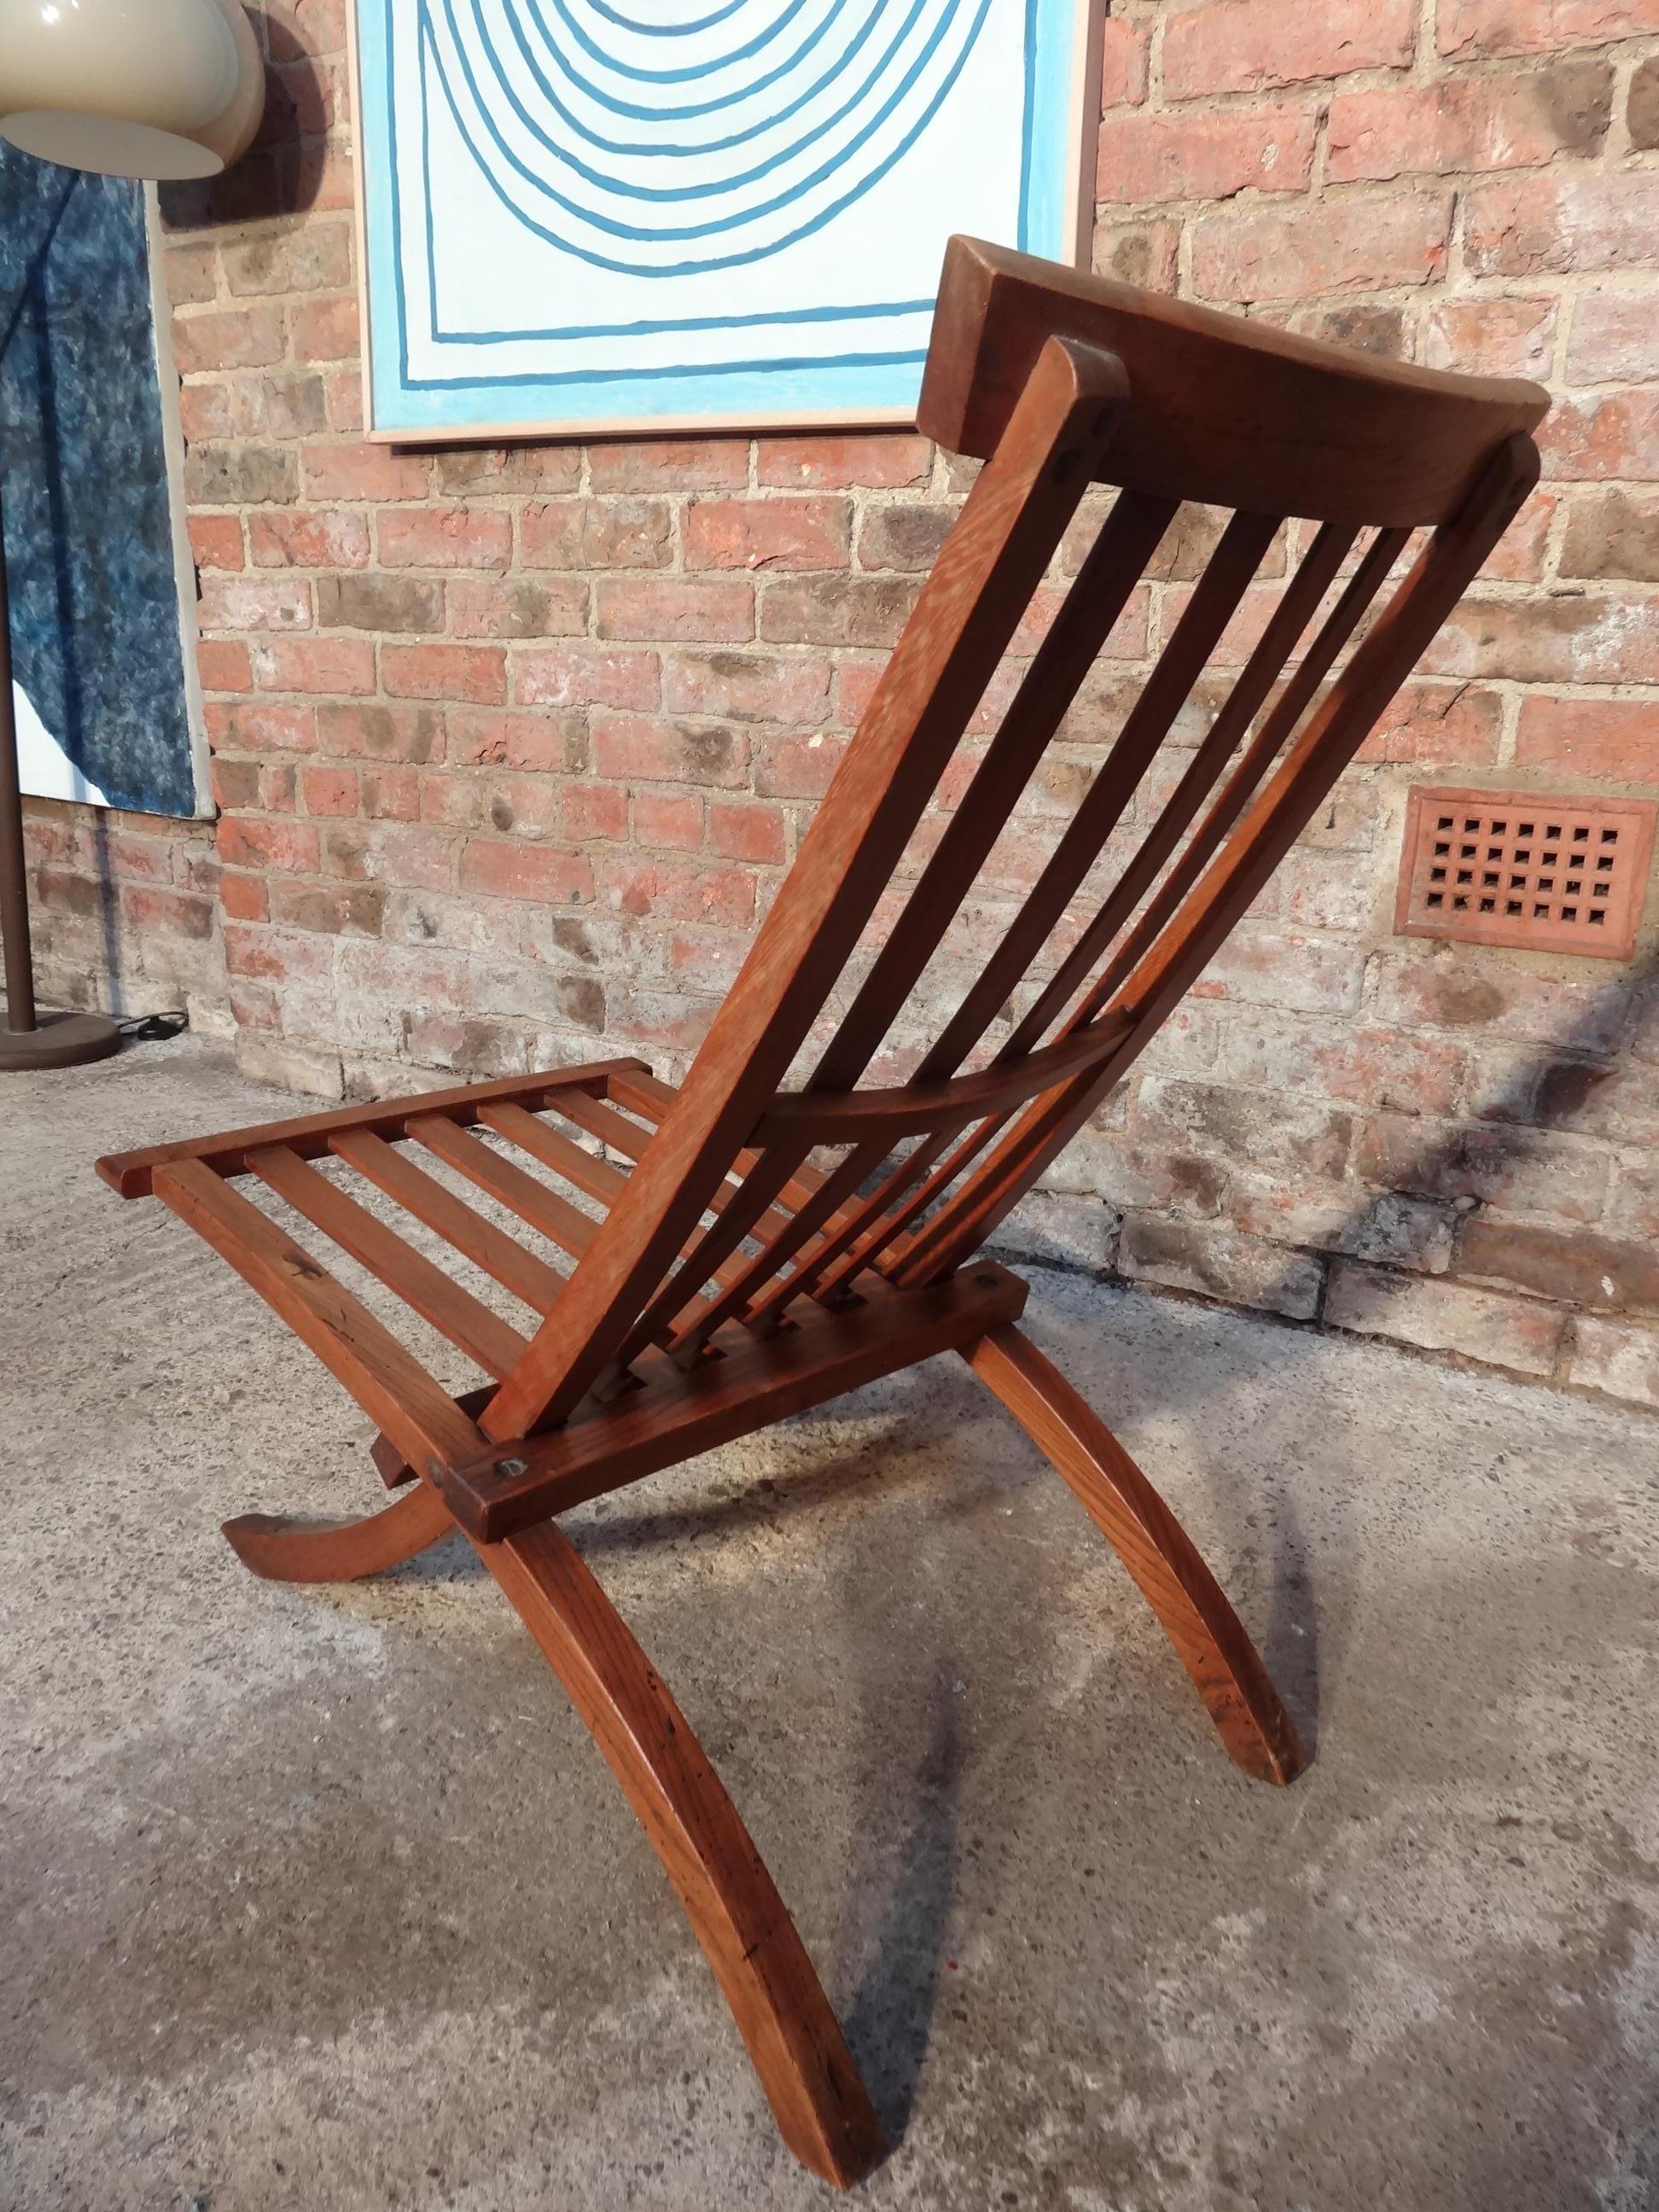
1129, 535
879, 1222
1183, 660
843, 1251
893, 1226
1312, 579
1101, 590
706, 1254
892, 1212
741, 1296
1014, 517
1277, 818
1258, 756
1297, 608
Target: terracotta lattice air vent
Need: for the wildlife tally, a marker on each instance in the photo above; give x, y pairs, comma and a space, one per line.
1518, 867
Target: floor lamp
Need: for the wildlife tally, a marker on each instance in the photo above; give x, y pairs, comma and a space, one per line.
163, 88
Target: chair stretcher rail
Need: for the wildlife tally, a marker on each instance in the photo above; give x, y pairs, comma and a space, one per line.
675, 1415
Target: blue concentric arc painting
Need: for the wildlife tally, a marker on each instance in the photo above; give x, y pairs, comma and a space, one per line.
673, 211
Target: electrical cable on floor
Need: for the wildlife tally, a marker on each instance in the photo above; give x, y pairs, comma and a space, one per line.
154, 1029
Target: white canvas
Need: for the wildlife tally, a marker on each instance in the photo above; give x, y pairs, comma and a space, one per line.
578, 214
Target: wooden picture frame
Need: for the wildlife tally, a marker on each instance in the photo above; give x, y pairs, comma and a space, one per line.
402, 265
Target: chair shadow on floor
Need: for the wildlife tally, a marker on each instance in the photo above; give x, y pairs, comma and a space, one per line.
888, 2023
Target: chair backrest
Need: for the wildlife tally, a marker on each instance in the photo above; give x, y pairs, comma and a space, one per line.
1056, 381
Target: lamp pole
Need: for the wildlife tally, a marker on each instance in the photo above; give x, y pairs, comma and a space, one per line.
29, 1038
13, 884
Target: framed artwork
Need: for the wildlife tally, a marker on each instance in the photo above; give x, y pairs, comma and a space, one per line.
581, 216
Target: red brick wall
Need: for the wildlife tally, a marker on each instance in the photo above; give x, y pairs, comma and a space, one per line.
513, 747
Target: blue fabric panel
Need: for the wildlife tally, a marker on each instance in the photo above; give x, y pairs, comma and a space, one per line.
88, 537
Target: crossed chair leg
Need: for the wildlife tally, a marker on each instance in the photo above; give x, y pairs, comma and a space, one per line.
817, 2096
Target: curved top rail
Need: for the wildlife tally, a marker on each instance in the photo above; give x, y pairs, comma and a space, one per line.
1227, 412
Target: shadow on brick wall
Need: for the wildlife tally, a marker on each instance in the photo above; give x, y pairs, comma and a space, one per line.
1435, 1221
289, 166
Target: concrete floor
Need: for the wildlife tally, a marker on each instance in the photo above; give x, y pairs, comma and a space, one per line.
322, 1899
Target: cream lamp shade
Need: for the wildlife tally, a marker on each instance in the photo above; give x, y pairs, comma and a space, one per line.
166, 88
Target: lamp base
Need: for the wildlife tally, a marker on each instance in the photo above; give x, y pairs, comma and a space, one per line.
62, 1040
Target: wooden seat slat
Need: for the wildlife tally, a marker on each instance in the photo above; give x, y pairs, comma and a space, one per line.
418, 1415
605, 1122
513, 1267
484, 1336
585, 1170
553, 1217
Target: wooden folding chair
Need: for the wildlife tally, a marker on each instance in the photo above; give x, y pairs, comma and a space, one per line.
747, 1250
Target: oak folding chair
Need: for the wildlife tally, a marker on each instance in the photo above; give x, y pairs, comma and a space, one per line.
743, 1247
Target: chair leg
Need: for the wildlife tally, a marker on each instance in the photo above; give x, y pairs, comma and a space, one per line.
1208, 1637
285, 1548
815, 2091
